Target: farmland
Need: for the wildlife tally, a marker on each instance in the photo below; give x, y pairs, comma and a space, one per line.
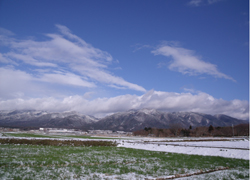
134, 158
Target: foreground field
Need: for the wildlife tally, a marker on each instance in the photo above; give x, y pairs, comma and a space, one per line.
136, 158
67, 162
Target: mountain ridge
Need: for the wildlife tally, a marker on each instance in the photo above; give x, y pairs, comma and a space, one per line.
130, 120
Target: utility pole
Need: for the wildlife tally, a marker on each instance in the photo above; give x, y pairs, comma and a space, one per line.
233, 129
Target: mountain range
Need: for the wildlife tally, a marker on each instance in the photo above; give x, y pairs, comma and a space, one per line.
131, 120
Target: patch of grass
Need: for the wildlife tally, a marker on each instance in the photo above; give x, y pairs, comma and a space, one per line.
68, 162
28, 135
87, 137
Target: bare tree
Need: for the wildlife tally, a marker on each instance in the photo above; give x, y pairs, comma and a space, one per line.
174, 128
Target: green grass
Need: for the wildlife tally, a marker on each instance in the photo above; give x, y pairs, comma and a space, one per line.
28, 135
52, 136
67, 162
86, 137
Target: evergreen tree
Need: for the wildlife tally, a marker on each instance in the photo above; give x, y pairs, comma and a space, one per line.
211, 128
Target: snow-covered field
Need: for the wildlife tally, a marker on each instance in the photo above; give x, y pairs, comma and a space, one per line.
231, 148
208, 146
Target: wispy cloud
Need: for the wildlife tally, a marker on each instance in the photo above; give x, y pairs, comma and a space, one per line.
107, 78
186, 62
65, 78
138, 47
197, 3
21, 84
28, 59
164, 101
83, 64
213, 1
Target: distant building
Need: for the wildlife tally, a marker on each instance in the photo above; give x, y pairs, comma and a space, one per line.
61, 131
100, 132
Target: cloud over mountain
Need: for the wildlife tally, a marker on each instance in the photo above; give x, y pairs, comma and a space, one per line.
165, 101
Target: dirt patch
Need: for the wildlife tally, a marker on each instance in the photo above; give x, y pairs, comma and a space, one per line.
51, 142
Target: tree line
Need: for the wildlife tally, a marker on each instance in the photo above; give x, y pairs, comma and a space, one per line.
176, 130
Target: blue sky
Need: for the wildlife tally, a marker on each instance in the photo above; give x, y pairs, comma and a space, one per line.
101, 57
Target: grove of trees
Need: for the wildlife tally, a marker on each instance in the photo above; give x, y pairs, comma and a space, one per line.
176, 130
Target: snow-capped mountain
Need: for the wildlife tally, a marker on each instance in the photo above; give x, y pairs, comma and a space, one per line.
33, 118
139, 119
126, 121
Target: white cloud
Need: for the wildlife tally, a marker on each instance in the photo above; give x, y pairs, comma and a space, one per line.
17, 83
29, 60
195, 2
185, 61
5, 32
165, 101
65, 78
213, 1
6, 60
65, 51
107, 78
202, 2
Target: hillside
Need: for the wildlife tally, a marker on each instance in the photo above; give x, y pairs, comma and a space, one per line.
131, 120
139, 119
36, 119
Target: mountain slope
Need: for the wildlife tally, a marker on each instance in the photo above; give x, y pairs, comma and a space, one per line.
139, 119
131, 120
32, 118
